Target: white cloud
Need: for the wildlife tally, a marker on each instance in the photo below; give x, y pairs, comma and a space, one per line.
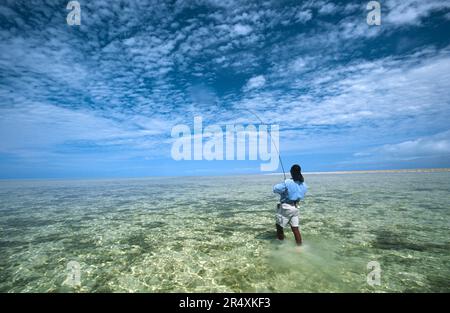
407, 12
328, 8
360, 91
303, 16
242, 30
42, 127
255, 82
299, 64
436, 145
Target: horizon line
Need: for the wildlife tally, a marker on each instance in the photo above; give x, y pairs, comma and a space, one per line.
414, 170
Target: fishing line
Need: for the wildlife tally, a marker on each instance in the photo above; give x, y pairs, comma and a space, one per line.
273, 142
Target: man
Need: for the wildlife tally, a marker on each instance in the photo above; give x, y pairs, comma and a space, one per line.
291, 191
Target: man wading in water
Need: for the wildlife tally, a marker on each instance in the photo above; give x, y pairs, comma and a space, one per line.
291, 191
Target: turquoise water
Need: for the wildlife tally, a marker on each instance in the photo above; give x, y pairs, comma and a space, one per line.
217, 234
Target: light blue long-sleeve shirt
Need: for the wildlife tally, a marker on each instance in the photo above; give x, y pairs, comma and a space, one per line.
290, 190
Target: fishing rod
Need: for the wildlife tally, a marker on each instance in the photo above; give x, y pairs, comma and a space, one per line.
273, 142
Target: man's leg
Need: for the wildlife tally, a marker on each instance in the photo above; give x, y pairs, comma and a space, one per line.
297, 235
280, 232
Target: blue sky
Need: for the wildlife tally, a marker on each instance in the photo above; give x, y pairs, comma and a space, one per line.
100, 99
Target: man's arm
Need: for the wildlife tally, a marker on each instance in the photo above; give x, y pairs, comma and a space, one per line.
279, 188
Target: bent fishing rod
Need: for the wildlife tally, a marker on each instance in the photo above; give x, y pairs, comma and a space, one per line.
273, 142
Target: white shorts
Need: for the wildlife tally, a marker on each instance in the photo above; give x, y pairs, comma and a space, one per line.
287, 215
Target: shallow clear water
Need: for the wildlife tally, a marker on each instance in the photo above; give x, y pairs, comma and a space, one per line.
217, 234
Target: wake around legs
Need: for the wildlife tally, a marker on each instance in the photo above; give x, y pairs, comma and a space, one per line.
295, 231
